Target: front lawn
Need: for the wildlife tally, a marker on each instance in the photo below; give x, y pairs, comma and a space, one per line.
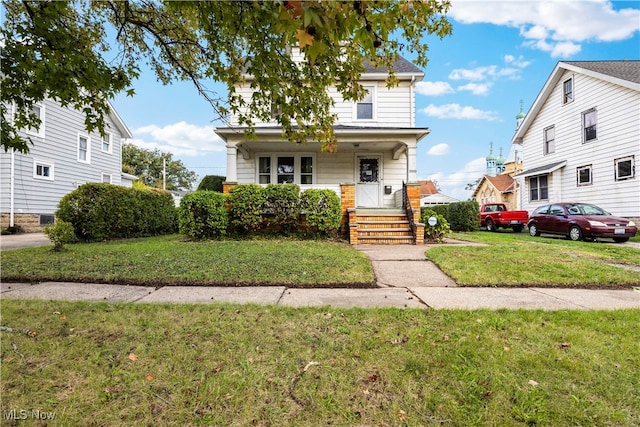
517, 259
229, 365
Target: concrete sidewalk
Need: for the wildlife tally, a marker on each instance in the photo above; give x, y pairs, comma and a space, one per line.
405, 279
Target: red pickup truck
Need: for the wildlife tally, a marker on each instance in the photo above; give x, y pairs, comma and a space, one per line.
496, 215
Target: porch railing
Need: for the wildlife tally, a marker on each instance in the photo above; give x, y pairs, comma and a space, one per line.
409, 211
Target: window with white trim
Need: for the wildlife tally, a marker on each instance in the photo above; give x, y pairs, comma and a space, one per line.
38, 111
106, 178
589, 125
296, 169
583, 175
539, 188
549, 140
625, 168
106, 142
365, 108
42, 170
84, 149
567, 91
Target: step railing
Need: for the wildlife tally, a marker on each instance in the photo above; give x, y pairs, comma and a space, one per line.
409, 211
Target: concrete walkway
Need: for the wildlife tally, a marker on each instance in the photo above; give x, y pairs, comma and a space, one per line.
406, 279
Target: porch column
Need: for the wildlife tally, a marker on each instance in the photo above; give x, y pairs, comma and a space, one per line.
412, 163
232, 162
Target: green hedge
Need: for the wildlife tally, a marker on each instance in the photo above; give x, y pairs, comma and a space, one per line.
246, 205
203, 215
282, 207
322, 210
461, 216
212, 183
100, 211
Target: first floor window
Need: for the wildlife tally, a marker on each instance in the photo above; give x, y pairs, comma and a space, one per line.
43, 170
584, 175
83, 149
106, 178
625, 168
296, 169
539, 188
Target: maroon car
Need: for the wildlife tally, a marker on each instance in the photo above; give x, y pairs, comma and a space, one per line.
580, 221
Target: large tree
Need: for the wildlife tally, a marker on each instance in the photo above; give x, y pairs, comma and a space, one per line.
151, 165
83, 52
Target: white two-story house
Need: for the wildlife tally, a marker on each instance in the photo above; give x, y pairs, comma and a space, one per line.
62, 157
376, 146
581, 138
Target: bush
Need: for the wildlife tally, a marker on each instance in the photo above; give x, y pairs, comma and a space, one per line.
322, 209
246, 204
212, 183
203, 215
435, 233
464, 216
60, 234
282, 206
100, 211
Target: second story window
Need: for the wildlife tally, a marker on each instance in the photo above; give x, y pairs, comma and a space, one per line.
567, 91
549, 140
589, 125
84, 148
38, 111
106, 143
364, 108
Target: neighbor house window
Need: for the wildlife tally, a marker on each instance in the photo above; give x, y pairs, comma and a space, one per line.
584, 175
589, 125
106, 178
549, 140
364, 108
84, 148
625, 168
539, 188
296, 169
43, 170
567, 91
38, 111
106, 143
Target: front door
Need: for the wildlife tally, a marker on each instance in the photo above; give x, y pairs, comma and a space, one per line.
368, 181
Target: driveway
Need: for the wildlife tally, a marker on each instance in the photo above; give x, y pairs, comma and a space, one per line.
23, 240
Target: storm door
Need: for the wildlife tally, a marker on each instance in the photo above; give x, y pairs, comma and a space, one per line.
368, 181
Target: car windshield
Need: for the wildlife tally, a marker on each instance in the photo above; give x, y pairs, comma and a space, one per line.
584, 209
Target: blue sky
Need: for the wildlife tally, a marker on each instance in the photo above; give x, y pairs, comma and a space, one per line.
500, 54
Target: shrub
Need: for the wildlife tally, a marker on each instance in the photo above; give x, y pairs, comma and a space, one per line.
203, 215
464, 216
322, 209
246, 204
435, 233
100, 211
282, 206
60, 234
212, 183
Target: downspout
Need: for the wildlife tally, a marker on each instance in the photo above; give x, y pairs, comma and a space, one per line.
413, 102
11, 187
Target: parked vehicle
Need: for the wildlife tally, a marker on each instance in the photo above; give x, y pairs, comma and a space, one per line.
496, 215
580, 221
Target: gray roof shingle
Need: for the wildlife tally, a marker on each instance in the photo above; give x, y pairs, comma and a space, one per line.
400, 66
626, 70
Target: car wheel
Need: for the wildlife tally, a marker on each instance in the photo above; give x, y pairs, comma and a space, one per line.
490, 226
533, 230
575, 233
517, 229
620, 239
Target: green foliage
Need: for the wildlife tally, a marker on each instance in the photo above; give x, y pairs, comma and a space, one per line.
322, 210
60, 234
149, 166
100, 211
462, 216
203, 215
282, 206
68, 56
246, 205
212, 183
435, 233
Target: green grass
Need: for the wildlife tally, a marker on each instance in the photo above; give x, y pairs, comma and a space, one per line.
513, 259
144, 364
170, 260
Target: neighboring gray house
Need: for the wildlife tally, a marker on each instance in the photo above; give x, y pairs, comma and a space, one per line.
63, 156
581, 139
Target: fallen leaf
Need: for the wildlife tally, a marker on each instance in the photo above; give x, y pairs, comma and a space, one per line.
507, 348
565, 345
400, 341
402, 415
445, 337
149, 377
133, 357
63, 317
533, 383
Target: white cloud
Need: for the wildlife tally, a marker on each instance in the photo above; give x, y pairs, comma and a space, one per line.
456, 111
438, 150
433, 88
474, 74
453, 184
181, 139
476, 89
555, 26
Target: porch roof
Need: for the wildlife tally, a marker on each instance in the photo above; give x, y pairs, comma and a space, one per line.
542, 170
347, 131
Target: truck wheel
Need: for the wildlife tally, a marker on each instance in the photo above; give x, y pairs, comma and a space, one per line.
517, 228
490, 226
